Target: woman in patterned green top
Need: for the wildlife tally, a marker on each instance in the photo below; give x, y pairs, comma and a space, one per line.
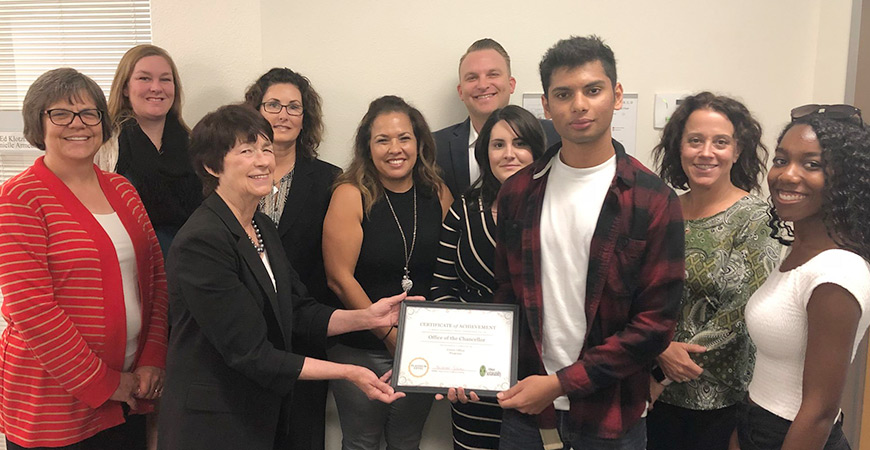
712, 147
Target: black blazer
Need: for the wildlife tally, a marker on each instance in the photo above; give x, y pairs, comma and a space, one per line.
301, 226
228, 377
452, 153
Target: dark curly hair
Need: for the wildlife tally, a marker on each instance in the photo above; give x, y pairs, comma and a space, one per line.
526, 126
745, 173
846, 193
312, 117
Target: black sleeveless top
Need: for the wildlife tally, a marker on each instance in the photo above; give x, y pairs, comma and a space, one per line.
381, 261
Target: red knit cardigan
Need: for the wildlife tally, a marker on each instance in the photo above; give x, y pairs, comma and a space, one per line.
63, 350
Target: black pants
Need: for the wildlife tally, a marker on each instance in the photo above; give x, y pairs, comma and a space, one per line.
127, 436
760, 429
671, 427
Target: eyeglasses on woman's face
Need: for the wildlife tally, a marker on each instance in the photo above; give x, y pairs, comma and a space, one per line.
273, 107
63, 117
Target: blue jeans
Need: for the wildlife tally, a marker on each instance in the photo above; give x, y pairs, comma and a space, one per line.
520, 432
165, 235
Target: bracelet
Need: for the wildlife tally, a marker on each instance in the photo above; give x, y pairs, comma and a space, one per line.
387, 335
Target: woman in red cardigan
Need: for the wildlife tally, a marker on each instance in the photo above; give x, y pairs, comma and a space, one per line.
84, 292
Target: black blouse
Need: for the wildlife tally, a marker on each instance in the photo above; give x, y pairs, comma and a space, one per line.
464, 270
381, 261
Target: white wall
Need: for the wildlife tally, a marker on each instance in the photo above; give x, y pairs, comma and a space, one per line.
773, 55
835, 22
216, 46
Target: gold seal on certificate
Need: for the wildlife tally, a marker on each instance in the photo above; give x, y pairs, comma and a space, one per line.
444, 345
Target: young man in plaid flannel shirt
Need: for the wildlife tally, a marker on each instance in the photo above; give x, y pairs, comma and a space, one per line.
590, 245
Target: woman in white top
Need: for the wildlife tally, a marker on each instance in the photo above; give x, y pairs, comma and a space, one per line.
807, 319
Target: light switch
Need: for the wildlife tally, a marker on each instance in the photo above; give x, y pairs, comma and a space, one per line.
665, 106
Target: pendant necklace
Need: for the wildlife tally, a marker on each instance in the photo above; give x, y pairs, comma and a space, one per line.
407, 284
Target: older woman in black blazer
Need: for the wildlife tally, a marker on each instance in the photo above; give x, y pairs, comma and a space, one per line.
236, 305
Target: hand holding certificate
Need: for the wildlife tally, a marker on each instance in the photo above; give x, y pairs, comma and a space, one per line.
444, 345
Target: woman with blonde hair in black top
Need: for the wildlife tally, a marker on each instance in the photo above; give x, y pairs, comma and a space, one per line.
150, 139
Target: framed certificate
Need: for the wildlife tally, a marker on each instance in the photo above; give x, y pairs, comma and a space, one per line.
444, 345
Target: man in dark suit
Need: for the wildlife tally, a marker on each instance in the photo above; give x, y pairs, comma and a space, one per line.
485, 84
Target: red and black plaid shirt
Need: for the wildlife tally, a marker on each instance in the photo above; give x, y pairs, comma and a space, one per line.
633, 289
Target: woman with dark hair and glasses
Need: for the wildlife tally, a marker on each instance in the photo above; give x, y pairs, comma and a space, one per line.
510, 139
297, 206
712, 147
84, 292
808, 318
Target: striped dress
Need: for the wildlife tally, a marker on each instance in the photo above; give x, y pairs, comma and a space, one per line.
62, 352
463, 272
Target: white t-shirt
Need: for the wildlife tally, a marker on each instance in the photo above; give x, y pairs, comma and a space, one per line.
112, 225
776, 316
572, 203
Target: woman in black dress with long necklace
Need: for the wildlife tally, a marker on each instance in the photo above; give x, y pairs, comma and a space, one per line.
381, 235
509, 140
